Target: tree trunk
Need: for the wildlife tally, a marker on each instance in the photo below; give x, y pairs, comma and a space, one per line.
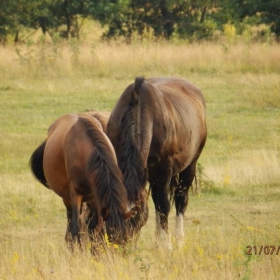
168, 24
203, 13
17, 36
68, 19
43, 21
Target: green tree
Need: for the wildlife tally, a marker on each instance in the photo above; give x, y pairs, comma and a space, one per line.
67, 12
268, 12
7, 23
49, 15
192, 19
16, 15
164, 17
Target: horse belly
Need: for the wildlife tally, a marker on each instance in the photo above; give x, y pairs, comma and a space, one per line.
185, 156
180, 162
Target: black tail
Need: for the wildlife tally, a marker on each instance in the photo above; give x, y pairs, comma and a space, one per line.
128, 153
135, 93
108, 188
138, 83
36, 164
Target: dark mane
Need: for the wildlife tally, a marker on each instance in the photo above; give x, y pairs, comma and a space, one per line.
36, 164
109, 190
128, 153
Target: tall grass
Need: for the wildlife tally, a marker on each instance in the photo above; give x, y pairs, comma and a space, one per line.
238, 200
119, 60
218, 232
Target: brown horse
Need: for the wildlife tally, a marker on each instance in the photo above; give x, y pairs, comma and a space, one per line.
77, 161
158, 129
102, 117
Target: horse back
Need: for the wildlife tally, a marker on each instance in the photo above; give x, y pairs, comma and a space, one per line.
102, 117
54, 162
85, 133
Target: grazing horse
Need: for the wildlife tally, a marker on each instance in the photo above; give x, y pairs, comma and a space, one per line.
77, 161
102, 117
158, 130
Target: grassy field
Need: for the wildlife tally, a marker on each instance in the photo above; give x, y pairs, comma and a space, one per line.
237, 203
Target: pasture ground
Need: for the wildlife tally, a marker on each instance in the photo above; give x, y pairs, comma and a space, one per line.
237, 201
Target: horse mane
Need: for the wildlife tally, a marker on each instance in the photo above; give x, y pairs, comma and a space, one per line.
109, 190
36, 164
127, 150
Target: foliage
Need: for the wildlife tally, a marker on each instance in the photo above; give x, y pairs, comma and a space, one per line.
165, 18
188, 19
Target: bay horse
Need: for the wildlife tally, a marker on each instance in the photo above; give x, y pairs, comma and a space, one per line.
77, 161
158, 130
102, 117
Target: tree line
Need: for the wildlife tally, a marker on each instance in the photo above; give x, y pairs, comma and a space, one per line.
186, 19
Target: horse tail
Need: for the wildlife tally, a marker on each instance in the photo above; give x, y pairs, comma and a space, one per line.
108, 187
136, 91
126, 144
36, 164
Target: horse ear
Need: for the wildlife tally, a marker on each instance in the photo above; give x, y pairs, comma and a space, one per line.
131, 213
104, 213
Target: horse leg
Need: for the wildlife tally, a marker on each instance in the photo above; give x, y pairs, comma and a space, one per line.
160, 186
92, 222
69, 215
73, 215
181, 197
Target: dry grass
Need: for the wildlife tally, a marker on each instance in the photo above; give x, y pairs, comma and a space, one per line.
238, 202
117, 60
218, 229
254, 167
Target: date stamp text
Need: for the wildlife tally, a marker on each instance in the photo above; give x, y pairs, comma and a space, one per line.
263, 250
